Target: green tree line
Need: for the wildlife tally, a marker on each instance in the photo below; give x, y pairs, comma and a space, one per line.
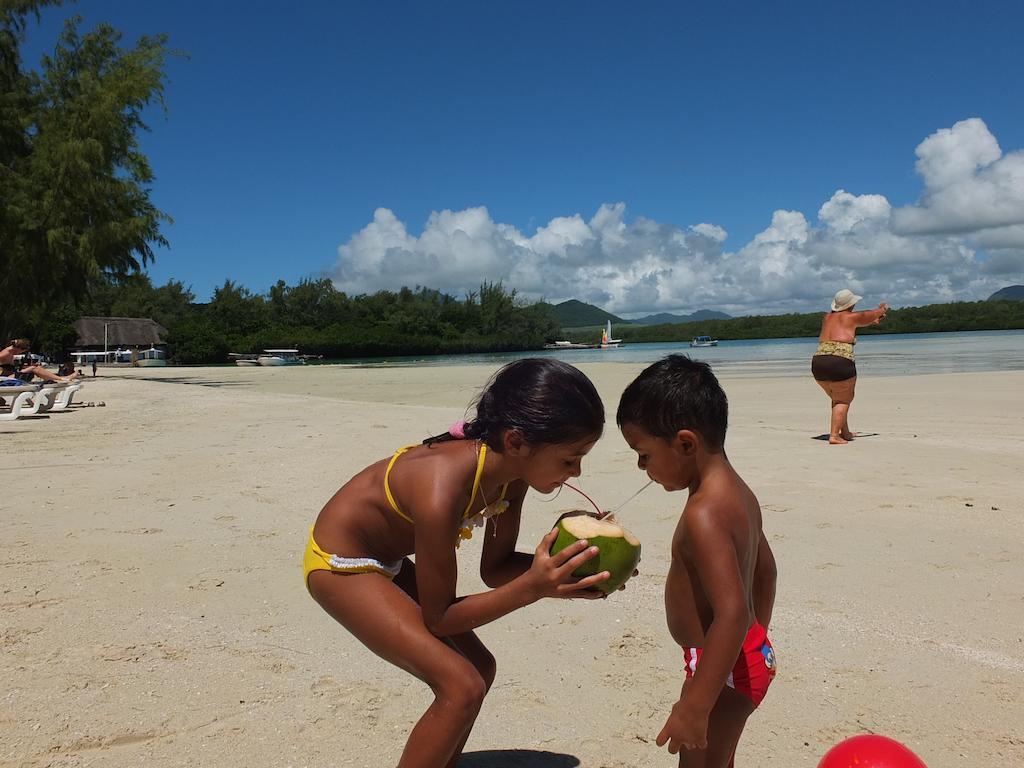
312, 316
318, 319
933, 318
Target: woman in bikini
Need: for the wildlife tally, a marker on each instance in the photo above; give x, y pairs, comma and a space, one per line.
534, 423
833, 365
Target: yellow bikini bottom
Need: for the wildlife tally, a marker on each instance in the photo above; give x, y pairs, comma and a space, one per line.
316, 559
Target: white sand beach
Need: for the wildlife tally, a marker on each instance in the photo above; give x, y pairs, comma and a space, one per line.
154, 611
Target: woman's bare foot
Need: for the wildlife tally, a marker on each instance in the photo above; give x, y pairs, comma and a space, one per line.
836, 440
847, 435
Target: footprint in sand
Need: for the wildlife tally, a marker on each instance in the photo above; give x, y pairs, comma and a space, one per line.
631, 644
360, 700
204, 584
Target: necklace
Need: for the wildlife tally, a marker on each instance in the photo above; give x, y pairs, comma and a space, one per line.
487, 513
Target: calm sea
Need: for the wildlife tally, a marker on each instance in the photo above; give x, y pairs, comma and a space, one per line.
893, 354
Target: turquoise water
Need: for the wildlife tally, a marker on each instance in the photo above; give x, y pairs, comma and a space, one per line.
893, 354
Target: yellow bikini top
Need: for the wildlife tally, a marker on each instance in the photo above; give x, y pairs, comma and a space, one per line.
466, 530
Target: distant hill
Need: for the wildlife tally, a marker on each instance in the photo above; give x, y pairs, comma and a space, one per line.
664, 317
577, 314
1015, 292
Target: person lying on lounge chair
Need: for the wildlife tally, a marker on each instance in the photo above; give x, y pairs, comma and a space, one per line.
26, 372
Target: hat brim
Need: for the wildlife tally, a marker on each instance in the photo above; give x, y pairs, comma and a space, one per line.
840, 307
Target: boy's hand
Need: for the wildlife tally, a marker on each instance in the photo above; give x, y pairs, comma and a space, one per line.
684, 728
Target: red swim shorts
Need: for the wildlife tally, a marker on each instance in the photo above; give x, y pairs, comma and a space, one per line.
754, 669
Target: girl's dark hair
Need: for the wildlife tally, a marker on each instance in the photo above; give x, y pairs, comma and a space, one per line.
676, 393
545, 400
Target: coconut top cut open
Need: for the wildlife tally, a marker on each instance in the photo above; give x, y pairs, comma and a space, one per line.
583, 526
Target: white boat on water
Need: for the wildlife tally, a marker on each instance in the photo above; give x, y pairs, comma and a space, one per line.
704, 341
607, 342
569, 345
244, 358
151, 358
279, 357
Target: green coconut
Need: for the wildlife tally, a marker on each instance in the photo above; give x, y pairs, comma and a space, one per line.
619, 550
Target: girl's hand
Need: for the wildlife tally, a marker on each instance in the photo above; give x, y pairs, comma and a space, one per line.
551, 575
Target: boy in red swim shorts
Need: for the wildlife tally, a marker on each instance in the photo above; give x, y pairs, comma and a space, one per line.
720, 588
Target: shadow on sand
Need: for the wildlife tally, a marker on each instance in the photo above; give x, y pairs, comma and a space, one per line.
517, 758
856, 435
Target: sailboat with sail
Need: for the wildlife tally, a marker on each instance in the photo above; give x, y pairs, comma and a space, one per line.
607, 342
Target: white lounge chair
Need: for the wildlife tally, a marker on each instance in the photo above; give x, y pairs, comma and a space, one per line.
21, 401
57, 396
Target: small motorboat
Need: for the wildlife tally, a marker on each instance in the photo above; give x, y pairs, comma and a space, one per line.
704, 341
280, 357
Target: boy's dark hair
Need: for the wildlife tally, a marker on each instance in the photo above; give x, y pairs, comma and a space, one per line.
677, 393
545, 400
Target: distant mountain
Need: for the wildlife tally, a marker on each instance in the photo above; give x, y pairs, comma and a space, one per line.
1015, 292
664, 317
577, 314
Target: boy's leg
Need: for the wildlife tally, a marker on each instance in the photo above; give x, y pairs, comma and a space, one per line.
725, 726
388, 622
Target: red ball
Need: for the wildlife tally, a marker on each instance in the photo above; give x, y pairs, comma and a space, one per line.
870, 751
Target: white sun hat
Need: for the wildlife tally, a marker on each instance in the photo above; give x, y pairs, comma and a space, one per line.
844, 299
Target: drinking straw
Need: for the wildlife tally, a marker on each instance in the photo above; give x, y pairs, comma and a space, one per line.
601, 515
642, 489
581, 493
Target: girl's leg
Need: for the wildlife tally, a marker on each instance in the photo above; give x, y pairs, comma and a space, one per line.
468, 644
388, 622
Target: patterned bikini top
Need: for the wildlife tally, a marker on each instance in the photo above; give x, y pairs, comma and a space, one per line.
837, 348
469, 522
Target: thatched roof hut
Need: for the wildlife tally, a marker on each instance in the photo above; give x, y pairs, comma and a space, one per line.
118, 332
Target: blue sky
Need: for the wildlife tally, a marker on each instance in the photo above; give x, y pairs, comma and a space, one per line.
655, 157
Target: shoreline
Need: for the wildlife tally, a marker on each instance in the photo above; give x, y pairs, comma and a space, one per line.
878, 354
155, 610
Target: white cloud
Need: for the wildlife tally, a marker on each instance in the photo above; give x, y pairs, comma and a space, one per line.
962, 240
970, 185
710, 231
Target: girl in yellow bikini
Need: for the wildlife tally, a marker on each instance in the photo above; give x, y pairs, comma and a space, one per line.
534, 423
